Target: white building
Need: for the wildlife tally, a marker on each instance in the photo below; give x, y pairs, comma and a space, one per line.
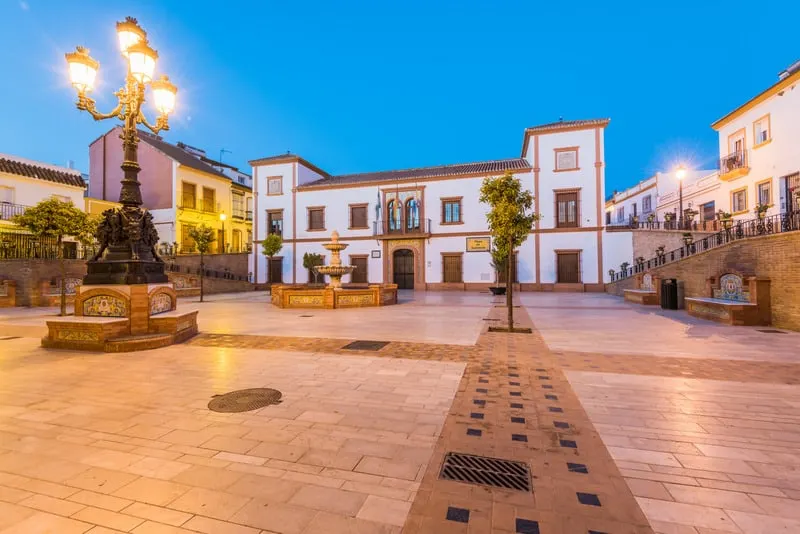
758, 147
25, 183
424, 228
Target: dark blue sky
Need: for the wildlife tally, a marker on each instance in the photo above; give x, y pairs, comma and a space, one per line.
378, 84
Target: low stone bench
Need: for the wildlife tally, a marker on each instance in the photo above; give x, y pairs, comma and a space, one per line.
645, 292
180, 324
733, 300
642, 296
84, 333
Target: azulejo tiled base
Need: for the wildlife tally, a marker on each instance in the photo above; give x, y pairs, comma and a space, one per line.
122, 318
298, 296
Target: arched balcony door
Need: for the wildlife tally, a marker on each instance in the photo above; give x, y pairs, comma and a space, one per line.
412, 215
393, 212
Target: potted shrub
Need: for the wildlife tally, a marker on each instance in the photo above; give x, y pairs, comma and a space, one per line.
640, 260
611, 274
725, 218
687, 238
499, 263
651, 218
624, 268
660, 250
761, 210
668, 216
635, 220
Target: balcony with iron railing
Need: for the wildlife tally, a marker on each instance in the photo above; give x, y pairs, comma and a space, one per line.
734, 165
399, 228
645, 223
8, 210
198, 204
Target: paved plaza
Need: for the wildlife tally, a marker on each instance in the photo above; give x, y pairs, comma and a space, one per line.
631, 420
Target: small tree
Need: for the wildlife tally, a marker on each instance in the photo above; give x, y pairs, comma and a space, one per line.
269, 247
311, 260
202, 236
510, 220
499, 263
54, 218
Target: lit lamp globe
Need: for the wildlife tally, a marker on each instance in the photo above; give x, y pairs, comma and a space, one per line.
164, 93
223, 217
82, 69
129, 33
681, 172
142, 61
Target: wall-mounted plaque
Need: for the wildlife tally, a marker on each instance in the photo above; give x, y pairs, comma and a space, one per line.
478, 244
376, 253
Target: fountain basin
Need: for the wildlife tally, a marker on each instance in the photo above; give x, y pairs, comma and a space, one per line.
304, 297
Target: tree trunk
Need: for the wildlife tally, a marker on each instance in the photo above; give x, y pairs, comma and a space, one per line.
202, 274
510, 285
63, 270
269, 276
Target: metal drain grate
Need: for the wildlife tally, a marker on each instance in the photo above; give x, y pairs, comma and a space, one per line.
306, 316
244, 400
486, 471
362, 344
770, 331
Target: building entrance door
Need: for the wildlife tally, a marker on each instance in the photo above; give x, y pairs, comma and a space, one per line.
568, 268
403, 265
792, 187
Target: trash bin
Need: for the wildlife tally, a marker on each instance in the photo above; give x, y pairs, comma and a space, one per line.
669, 294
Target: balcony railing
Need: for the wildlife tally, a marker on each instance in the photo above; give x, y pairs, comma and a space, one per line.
401, 227
712, 225
732, 162
8, 210
248, 215
237, 213
742, 229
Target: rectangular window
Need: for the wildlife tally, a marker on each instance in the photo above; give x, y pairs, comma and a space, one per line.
621, 214
188, 196
209, 200
6, 195
608, 217
275, 185
187, 243
238, 204
708, 211
635, 207
567, 159
761, 131
360, 275
765, 193
275, 222
451, 267
358, 216
739, 201
316, 219
567, 209
451, 210
647, 204
736, 142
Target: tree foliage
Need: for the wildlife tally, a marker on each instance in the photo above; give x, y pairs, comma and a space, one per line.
510, 220
311, 260
55, 218
271, 245
202, 236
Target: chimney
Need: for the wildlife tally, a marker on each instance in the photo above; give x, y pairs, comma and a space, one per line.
70, 164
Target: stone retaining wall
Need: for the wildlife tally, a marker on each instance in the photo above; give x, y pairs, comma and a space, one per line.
776, 257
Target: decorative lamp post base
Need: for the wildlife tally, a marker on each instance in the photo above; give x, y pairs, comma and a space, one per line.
124, 272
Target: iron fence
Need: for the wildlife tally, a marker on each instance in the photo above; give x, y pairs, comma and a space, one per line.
224, 274
16, 245
775, 224
712, 225
731, 162
401, 226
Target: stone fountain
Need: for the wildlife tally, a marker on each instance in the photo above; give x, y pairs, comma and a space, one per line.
335, 270
333, 295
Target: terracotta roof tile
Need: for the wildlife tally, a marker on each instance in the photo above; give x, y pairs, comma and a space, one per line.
567, 124
49, 173
488, 167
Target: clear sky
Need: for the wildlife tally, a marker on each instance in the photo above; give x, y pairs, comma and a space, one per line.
379, 84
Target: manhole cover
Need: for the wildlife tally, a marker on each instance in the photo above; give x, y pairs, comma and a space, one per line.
244, 400
770, 331
486, 471
365, 345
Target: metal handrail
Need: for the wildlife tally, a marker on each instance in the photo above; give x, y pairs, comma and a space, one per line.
743, 229
399, 227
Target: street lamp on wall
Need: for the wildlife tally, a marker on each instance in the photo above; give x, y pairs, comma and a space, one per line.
127, 236
222, 218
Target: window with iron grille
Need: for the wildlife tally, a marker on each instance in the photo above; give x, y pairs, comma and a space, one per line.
621, 214
567, 209
187, 243
566, 159
275, 185
316, 218
237, 204
358, 216
209, 200
275, 222
647, 204
739, 200
451, 211
451, 267
188, 195
765, 193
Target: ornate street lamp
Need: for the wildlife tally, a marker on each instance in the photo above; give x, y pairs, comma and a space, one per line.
222, 218
680, 174
127, 236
